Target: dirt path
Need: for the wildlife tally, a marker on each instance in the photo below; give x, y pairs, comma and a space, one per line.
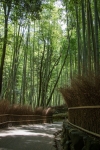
29, 137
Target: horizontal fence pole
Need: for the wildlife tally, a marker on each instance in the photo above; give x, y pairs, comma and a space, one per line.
25, 115
19, 115
21, 121
25, 120
4, 122
84, 107
42, 119
86, 131
4, 115
47, 116
18, 121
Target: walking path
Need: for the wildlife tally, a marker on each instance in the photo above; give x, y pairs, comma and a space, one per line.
29, 137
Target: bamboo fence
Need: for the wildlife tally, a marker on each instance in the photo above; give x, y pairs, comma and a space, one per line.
86, 118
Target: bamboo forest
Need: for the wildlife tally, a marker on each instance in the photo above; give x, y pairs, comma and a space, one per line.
44, 44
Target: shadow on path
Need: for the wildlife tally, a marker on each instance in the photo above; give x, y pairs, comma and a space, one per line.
29, 137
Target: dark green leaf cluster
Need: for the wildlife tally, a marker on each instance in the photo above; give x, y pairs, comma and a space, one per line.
24, 8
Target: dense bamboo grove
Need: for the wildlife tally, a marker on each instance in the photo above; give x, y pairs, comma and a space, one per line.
43, 45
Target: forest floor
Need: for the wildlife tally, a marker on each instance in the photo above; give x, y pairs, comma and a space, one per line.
29, 137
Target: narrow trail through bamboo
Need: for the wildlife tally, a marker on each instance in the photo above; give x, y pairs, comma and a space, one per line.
29, 137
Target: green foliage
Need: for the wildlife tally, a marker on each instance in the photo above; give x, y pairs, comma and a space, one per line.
40, 35
24, 8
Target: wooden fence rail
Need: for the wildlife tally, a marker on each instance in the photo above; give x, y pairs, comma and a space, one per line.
85, 118
13, 119
84, 130
84, 107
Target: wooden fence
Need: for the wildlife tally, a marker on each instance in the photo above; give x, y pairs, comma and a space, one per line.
85, 118
13, 119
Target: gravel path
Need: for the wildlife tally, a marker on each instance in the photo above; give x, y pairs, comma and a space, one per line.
29, 137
